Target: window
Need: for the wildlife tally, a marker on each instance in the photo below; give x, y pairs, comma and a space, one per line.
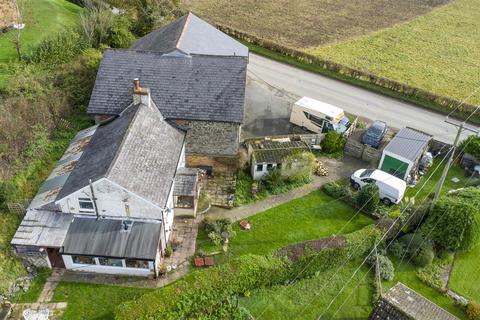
316, 120
86, 205
366, 173
110, 262
269, 166
83, 260
259, 167
279, 166
368, 180
139, 264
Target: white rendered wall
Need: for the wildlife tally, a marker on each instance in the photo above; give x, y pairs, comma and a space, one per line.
69, 264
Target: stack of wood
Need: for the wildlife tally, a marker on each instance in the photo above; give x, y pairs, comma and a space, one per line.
320, 169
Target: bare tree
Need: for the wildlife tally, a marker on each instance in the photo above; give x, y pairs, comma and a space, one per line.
18, 29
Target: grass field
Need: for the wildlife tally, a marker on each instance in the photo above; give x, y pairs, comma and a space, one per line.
42, 18
438, 52
313, 216
308, 298
308, 23
466, 264
91, 301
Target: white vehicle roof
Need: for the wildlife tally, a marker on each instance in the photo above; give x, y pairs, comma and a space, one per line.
319, 106
387, 178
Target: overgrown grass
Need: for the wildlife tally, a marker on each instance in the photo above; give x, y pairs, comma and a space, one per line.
465, 277
313, 216
36, 287
42, 18
406, 274
308, 298
93, 301
438, 52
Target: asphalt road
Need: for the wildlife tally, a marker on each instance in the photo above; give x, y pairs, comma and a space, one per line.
296, 82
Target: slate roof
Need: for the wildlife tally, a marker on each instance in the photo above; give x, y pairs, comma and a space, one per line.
275, 151
209, 88
42, 228
105, 238
185, 182
409, 143
138, 150
191, 35
402, 303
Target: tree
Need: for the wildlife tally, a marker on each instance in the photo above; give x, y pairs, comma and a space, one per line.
18, 27
146, 17
367, 198
333, 142
119, 34
453, 223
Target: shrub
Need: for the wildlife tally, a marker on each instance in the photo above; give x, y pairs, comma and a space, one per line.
473, 310
367, 198
433, 274
298, 166
332, 142
168, 251
418, 248
424, 256
273, 180
471, 145
385, 266
7, 191
336, 190
215, 228
119, 34
453, 223
397, 248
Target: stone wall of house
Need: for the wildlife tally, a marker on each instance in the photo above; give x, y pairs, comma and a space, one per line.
7, 13
211, 138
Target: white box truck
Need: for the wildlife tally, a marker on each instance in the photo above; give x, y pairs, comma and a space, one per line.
318, 117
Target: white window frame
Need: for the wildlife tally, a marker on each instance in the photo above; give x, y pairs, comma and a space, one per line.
84, 210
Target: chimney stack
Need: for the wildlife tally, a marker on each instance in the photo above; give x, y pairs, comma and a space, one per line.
140, 95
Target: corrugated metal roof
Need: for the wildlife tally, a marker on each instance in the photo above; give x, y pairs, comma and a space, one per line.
42, 228
51, 187
414, 305
271, 151
106, 238
409, 143
191, 35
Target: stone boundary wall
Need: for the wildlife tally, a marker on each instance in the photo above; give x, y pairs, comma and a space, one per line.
366, 153
446, 104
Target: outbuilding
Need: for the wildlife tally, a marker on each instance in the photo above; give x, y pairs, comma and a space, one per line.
402, 155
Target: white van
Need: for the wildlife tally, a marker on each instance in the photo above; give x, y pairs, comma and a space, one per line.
390, 188
317, 116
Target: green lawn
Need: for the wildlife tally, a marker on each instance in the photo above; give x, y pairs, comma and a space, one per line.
91, 301
42, 18
438, 52
465, 277
313, 216
454, 172
308, 298
405, 273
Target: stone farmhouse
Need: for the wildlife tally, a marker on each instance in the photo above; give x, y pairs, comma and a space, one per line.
109, 205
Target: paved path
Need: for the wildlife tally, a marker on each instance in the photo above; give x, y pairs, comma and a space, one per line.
50, 285
353, 99
337, 169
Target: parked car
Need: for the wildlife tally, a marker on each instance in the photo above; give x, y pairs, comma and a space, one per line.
318, 117
374, 135
390, 188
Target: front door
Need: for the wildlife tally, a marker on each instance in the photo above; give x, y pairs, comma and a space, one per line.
55, 258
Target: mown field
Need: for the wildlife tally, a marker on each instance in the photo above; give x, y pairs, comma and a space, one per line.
309, 23
438, 52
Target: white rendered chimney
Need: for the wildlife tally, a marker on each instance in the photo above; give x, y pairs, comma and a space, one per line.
140, 95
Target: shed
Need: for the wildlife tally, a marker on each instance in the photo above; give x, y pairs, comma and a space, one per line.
403, 303
402, 155
267, 154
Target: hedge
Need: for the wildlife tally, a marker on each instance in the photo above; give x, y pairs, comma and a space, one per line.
201, 293
445, 104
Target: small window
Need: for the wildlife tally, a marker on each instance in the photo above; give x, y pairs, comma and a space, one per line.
139, 264
86, 205
279, 166
83, 260
110, 262
259, 167
269, 166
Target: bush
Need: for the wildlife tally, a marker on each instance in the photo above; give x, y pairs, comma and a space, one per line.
453, 223
397, 248
215, 228
298, 167
471, 145
273, 180
385, 266
168, 251
418, 248
332, 142
119, 34
424, 256
336, 190
7, 192
473, 310
367, 198
433, 274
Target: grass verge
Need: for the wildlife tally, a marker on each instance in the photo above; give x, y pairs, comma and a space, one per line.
466, 263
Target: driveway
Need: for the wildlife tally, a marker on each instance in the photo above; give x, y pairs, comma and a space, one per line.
272, 87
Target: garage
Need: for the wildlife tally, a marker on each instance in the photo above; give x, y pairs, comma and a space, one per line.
402, 155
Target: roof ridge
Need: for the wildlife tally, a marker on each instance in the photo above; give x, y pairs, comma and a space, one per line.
189, 15
114, 161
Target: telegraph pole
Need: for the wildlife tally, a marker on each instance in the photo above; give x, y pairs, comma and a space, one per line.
461, 126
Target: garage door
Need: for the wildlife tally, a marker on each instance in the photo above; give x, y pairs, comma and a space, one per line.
394, 167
